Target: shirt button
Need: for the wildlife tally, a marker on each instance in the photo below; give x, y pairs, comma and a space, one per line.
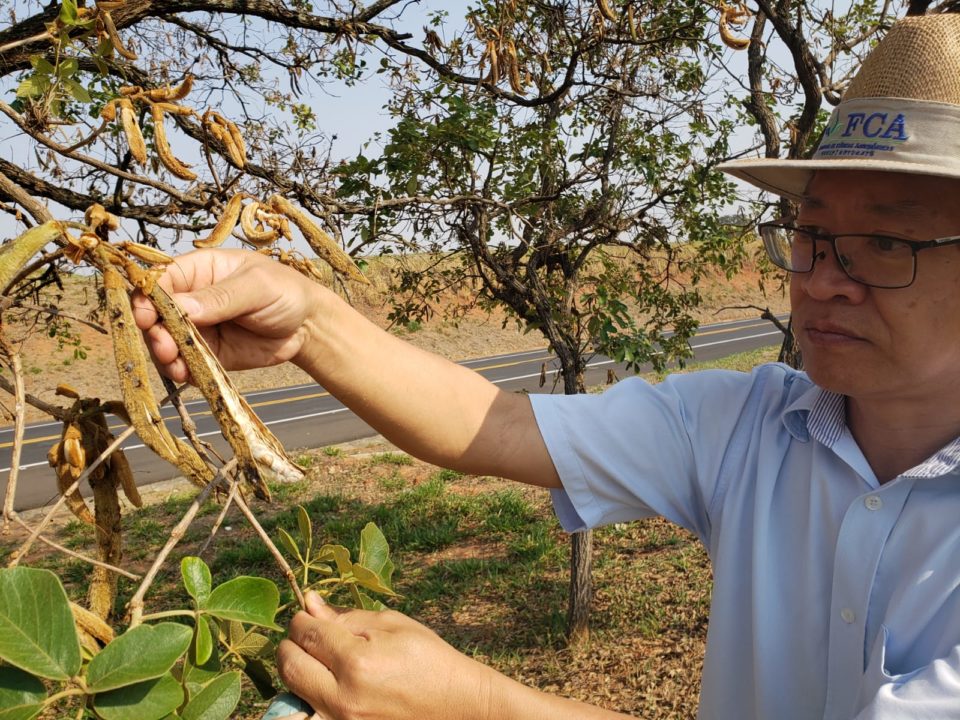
848, 615
873, 502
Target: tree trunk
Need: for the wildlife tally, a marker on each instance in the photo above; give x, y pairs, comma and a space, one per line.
581, 543
581, 587
789, 350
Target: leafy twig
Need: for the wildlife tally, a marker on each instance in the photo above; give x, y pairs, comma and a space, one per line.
135, 606
277, 555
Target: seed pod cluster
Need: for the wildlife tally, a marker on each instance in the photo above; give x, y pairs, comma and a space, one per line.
320, 242
504, 62
164, 153
227, 134
734, 16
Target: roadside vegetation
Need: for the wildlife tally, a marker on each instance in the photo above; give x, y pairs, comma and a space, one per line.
480, 560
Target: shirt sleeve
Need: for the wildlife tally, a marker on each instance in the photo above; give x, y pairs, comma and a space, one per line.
639, 450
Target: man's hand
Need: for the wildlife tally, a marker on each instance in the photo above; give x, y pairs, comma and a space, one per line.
251, 310
360, 664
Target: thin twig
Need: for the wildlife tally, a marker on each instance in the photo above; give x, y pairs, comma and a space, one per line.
189, 426
234, 489
77, 555
277, 555
135, 606
54, 411
19, 422
25, 548
9, 302
765, 314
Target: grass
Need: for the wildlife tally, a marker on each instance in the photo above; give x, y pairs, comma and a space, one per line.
480, 560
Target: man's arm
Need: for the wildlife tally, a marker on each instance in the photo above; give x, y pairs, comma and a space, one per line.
254, 312
356, 663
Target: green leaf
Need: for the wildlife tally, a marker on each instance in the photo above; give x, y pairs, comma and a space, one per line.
77, 91
32, 87
68, 12
245, 599
368, 603
21, 694
306, 528
370, 580
375, 555
253, 645
37, 633
340, 555
150, 700
68, 68
195, 675
42, 66
196, 578
290, 544
202, 641
216, 701
143, 653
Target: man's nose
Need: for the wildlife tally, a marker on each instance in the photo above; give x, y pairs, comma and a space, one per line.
828, 279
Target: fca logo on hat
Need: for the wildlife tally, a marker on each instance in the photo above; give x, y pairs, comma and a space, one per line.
870, 125
876, 124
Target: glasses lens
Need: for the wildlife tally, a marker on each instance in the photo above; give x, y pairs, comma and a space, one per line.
788, 247
876, 260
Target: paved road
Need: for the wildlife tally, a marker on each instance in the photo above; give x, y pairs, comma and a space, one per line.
304, 416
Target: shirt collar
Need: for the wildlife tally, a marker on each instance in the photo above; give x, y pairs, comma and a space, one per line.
820, 414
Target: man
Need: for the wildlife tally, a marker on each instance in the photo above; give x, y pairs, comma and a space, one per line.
829, 500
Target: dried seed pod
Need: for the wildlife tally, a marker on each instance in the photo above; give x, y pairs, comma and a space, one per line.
253, 229
72, 451
64, 390
733, 15
260, 455
606, 10
226, 224
239, 145
322, 244
171, 93
632, 23
493, 57
120, 467
228, 135
116, 407
146, 253
65, 479
516, 83
109, 111
141, 404
91, 624
167, 158
131, 128
97, 215
114, 36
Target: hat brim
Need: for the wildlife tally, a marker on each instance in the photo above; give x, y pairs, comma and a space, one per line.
790, 178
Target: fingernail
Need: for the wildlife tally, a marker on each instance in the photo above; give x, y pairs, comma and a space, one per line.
313, 599
189, 305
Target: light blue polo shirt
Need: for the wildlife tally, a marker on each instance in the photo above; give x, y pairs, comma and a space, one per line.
834, 597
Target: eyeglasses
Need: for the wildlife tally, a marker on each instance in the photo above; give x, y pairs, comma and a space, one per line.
878, 261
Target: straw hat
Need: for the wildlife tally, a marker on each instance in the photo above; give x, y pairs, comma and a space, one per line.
901, 113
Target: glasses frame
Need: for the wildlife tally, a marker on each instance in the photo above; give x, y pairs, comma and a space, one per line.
789, 223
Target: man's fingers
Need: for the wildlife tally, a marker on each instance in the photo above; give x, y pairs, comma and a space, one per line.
305, 676
325, 638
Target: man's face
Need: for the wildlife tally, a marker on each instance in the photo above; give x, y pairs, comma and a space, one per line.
869, 343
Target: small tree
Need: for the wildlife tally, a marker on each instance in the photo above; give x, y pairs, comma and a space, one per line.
561, 165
